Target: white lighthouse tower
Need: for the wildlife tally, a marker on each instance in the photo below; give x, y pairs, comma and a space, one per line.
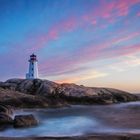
33, 68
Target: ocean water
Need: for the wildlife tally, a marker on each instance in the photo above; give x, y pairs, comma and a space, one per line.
79, 120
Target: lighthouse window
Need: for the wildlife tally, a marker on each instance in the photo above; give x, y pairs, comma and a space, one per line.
32, 63
32, 69
32, 75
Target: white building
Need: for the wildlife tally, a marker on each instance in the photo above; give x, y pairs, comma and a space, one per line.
33, 68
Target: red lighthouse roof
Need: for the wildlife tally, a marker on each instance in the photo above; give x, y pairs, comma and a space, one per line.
33, 57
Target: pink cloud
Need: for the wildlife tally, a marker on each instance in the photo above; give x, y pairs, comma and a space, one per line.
93, 50
89, 53
122, 8
125, 50
55, 32
70, 24
94, 22
138, 14
90, 74
108, 10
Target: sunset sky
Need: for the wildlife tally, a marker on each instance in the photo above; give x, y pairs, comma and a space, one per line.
87, 42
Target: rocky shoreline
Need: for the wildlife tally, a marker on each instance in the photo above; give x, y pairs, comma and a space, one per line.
37, 93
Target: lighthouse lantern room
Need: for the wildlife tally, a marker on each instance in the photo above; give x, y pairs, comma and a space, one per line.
33, 68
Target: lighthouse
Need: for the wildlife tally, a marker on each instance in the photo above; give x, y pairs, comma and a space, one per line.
33, 68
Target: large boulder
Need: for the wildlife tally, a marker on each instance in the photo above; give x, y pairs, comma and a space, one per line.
25, 121
5, 119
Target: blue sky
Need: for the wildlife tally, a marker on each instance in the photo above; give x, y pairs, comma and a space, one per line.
89, 42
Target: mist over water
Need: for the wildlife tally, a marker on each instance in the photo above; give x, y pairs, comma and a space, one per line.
80, 120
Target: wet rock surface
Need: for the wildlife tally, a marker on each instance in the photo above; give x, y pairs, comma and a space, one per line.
5, 116
5, 119
19, 121
6, 109
25, 121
